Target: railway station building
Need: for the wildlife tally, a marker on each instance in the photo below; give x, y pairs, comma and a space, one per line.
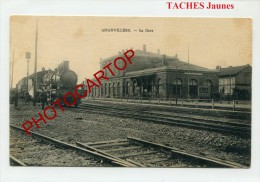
235, 82
153, 75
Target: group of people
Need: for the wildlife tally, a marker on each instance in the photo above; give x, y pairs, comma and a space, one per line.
42, 98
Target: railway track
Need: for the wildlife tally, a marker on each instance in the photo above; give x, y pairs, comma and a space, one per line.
245, 115
148, 154
184, 116
241, 129
40, 150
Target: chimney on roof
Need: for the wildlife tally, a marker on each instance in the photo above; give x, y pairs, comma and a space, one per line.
144, 47
176, 56
164, 60
43, 69
158, 51
218, 67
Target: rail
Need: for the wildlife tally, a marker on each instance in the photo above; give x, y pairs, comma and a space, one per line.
204, 124
82, 145
174, 151
16, 161
145, 153
183, 102
80, 150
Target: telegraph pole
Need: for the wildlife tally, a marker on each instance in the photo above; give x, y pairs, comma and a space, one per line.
188, 71
230, 92
12, 72
28, 56
35, 65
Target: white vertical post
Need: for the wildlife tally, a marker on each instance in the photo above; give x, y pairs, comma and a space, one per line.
12, 71
35, 64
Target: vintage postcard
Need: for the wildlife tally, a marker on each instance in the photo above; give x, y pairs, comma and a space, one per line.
130, 92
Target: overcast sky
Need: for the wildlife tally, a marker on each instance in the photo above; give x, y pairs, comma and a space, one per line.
80, 40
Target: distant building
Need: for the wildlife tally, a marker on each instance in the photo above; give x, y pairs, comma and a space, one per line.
22, 84
235, 82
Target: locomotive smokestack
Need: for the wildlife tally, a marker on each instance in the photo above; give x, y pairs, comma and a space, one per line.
66, 65
144, 48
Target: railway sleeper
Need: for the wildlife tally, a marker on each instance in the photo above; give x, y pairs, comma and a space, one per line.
82, 145
156, 160
137, 154
176, 152
106, 142
122, 149
112, 145
82, 151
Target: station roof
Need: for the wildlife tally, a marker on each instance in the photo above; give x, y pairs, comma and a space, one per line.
232, 70
172, 62
145, 72
153, 71
180, 65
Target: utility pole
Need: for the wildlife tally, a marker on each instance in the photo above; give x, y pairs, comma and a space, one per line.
230, 92
12, 72
16, 96
28, 56
188, 71
56, 88
35, 65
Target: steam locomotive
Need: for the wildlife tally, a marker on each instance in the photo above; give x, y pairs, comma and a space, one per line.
55, 83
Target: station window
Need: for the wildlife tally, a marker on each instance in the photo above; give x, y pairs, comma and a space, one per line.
207, 83
127, 88
177, 82
193, 82
177, 87
204, 90
118, 89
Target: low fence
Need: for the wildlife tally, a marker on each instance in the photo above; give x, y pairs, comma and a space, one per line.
198, 103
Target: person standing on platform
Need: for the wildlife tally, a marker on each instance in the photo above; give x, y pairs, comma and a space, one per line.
43, 99
16, 99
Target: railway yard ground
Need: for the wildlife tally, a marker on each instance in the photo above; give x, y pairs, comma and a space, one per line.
110, 126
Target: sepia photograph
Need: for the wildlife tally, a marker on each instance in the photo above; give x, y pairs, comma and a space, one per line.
136, 92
